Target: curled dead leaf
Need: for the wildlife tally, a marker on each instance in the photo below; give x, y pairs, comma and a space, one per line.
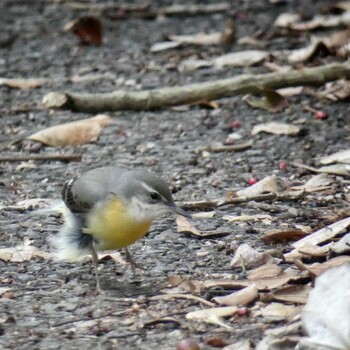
276, 129
240, 298
74, 133
267, 185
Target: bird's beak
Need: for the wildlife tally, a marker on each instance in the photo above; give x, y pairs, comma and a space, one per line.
180, 211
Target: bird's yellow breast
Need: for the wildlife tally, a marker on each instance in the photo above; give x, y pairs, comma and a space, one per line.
113, 228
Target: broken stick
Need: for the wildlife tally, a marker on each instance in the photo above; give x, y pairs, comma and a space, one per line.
178, 95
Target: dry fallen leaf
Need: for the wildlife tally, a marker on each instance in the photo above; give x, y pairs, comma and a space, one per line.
335, 90
240, 345
74, 133
288, 294
267, 185
276, 129
197, 39
88, 29
320, 21
316, 48
285, 20
314, 250
248, 257
184, 226
165, 45
284, 337
22, 253
23, 84
283, 235
115, 256
184, 284
316, 183
317, 268
213, 315
324, 234
245, 58
275, 312
342, 246
338, 157
265, 218
326, 314
240, 298
264, 271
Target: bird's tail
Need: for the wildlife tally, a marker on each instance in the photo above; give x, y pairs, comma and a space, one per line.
71, 243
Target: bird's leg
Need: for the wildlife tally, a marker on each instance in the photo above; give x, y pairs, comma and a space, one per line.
95, 262
131, 261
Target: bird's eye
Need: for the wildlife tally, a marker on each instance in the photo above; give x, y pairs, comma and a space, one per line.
154, 196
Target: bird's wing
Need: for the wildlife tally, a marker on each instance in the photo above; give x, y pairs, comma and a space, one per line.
81, 193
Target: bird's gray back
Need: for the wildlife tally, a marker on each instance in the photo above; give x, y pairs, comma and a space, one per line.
83, 192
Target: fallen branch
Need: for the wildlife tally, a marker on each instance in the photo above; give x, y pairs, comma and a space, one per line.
53, 157
178, 95
145, 10
182, 296
230, 148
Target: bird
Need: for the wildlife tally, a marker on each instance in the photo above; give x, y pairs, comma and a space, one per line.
109, 208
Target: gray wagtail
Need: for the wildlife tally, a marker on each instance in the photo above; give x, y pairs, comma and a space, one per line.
109, 208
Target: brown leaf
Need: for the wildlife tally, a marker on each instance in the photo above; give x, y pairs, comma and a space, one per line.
24, 84
74, 133
88, 29
184, 226
217, 342
283, 235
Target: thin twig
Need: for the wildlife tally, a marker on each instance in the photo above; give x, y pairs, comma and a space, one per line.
53, 157
230, 148
181, 296
283, 197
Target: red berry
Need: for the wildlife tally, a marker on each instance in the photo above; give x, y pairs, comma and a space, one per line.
187, 344
321, 115
235, 124
252, 181
242, 311
282, 165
